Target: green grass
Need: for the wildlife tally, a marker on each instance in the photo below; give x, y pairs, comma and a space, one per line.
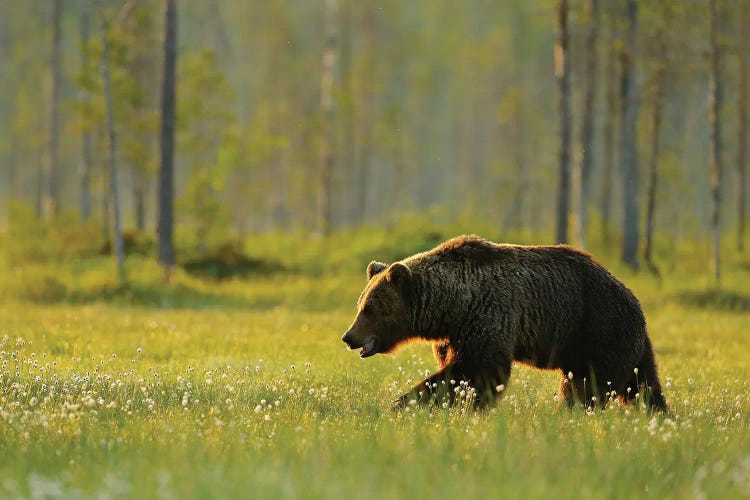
243, 389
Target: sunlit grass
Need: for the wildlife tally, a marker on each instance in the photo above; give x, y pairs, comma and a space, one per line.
243, 388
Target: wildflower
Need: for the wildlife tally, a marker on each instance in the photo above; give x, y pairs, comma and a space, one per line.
139, 350
500, 388
570, 375
635, 370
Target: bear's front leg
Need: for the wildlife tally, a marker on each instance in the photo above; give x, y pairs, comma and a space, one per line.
440, 387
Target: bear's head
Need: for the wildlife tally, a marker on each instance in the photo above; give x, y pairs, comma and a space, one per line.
383, 310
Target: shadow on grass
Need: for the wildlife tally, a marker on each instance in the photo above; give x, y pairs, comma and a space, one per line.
719, 300
177, 296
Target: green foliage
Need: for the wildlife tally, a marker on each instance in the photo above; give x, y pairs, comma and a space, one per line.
30, 239
134, 243
723, 300
228, 261
132, 65
207, 142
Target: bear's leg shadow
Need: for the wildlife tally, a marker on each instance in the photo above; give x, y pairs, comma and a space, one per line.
646, 382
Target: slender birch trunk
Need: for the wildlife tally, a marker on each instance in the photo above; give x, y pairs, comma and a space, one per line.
562, 70
714, 117
117, 243
587, 128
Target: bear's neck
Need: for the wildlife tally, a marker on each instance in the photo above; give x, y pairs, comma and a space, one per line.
434, 310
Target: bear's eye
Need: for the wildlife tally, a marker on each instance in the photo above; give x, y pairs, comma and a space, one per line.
367, 309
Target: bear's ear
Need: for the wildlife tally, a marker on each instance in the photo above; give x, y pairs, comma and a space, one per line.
374, 268
400, 276
399, 273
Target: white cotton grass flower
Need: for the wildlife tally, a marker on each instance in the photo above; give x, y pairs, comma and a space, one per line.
570, 375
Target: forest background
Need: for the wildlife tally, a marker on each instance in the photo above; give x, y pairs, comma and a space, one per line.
311, 117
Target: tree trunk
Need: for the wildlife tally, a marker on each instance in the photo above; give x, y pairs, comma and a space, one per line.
221, 43
587, 128
365, 113
85, 172
562, 70
105, 205
348, 137
50, 193
609, 133
714, 117
38, 195
653, 164
628, 137
139, 199
327, 154
117, 243
742, 130
515, 217
166, 170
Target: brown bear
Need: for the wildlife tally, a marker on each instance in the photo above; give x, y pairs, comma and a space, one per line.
485, 305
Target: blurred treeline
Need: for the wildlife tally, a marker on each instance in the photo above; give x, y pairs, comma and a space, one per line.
443, 107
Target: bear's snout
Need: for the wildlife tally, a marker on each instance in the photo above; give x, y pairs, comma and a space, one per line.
347, 338
366, 345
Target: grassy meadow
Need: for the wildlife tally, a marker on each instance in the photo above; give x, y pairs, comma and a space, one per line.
242, 388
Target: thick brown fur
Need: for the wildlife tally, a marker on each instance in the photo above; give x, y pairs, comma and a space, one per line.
485, 305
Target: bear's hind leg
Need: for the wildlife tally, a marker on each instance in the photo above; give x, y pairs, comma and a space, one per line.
646, 381
575, 390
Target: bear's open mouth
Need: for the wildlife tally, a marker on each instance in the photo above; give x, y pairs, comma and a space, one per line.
368, 349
